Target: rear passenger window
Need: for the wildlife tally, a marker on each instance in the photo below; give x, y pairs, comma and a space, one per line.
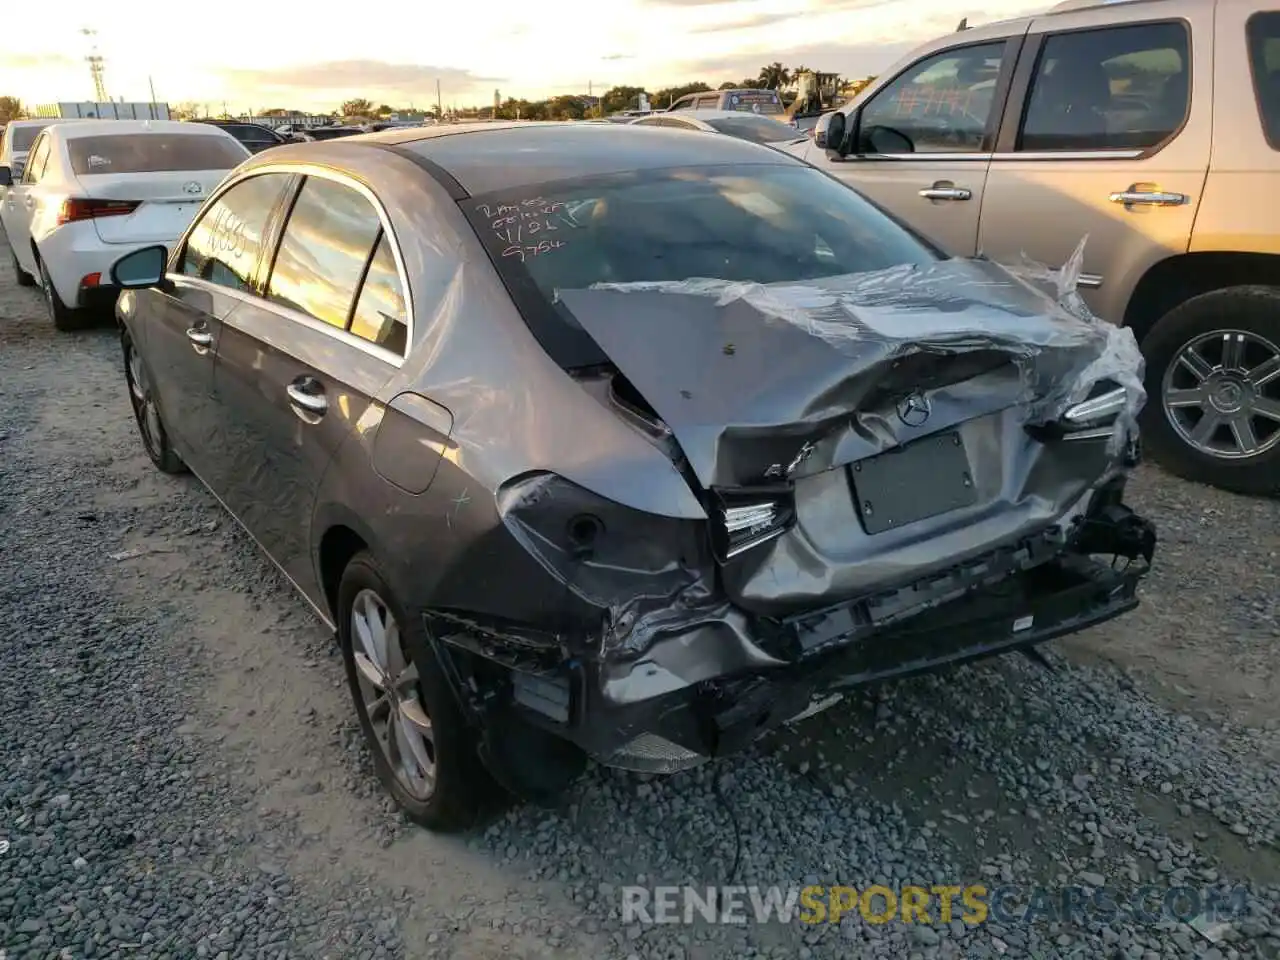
1264, 57
380, 315
326, 244
223, 246
1118, 88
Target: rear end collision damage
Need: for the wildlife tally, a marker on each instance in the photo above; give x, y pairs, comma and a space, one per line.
900, 470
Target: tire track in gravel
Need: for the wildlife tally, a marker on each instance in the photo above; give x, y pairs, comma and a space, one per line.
194, 713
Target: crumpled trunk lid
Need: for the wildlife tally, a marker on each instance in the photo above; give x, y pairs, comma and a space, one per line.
894, 406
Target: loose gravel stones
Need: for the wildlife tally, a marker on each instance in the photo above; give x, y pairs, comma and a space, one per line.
181, 775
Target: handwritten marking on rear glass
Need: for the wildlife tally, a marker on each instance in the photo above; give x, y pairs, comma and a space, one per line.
521, 226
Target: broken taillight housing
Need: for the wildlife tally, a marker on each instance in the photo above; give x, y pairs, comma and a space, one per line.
743, 519
1100, 409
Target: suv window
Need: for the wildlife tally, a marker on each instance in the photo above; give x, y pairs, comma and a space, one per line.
1264, 57
1117, 88
224, 244
684, 103
326, 243
941, 105
37, 160
380, 315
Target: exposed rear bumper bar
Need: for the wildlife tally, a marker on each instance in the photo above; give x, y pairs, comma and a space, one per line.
714, 689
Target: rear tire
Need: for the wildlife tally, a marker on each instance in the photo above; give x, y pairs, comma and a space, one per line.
1195, 334
64, 318
24, 279
457, 790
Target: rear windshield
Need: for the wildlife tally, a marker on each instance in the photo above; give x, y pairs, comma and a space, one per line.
24, 137
753, 101
153, 152
761, 223
246, 132
755, 129
321, 134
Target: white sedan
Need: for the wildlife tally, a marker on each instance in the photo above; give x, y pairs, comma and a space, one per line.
94, 190
754, 127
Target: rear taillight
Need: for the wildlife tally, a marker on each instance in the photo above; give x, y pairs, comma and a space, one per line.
746, 518
81, 208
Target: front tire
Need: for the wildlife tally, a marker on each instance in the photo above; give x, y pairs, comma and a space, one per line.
64, 318
423, 751
1213, 390
155, 439
24, 279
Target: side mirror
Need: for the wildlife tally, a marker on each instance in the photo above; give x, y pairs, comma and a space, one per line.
6, 177
142, 268
830, 132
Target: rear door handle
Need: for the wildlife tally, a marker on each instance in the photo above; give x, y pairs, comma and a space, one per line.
307, 395
1152, 198
942, 192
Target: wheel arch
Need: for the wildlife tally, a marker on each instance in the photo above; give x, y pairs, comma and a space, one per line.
1177, 279
341, 535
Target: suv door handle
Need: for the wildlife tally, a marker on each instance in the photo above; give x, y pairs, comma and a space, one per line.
1154, 198
307, 395
946, 191
200, 338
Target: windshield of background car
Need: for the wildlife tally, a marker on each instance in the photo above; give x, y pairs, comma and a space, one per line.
24, 136
153, 153
753, 128
759, 223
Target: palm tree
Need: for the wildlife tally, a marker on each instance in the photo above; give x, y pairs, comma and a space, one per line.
774, 76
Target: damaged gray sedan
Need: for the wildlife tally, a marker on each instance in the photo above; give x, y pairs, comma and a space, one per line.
606, 442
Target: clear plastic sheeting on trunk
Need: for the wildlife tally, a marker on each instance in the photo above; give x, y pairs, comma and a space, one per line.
1028, 311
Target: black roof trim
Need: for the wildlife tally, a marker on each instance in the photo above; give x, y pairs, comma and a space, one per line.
442, 176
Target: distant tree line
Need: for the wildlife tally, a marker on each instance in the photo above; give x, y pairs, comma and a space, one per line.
772, 76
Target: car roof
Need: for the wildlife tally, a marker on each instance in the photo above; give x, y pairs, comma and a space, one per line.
96, 128
487, 157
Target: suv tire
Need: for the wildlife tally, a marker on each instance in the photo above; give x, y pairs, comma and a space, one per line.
1250, 311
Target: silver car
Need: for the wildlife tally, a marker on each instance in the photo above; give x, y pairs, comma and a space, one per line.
602, 441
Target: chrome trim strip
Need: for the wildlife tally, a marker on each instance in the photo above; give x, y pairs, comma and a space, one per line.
1028, 155
324, 173
900, 157
1090, 281
1069, 155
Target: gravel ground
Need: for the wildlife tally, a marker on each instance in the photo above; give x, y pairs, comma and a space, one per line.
181, 775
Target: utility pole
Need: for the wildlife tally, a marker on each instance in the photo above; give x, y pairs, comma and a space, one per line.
439, 107
96, 68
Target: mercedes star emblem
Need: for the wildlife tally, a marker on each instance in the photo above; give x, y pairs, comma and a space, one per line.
914, 409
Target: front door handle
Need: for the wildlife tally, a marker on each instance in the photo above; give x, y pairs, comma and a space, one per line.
946, 190
1150, 198
200, 338
307, 395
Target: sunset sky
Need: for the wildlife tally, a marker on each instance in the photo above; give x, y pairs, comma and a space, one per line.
254, 55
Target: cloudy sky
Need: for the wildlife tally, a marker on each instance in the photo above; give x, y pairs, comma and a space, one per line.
252, 54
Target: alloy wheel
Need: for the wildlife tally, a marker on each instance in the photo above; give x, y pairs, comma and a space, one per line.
144, 403
391, 695
1221, 394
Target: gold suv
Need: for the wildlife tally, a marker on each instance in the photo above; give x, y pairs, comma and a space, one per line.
1152, 127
